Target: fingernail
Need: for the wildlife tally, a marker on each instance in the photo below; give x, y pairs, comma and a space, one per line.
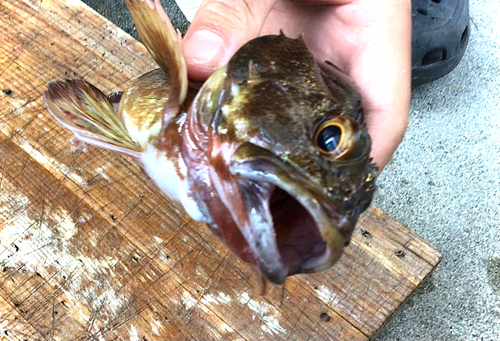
205, 48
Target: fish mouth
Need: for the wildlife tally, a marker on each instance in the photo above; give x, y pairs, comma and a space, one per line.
293, 226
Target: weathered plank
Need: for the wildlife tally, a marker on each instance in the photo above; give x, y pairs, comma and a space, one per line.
90, 249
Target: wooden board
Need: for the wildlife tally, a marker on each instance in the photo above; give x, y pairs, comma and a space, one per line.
90, 250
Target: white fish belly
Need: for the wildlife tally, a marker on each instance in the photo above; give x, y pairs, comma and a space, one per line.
169, 174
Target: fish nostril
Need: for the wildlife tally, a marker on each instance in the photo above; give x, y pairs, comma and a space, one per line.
434, 56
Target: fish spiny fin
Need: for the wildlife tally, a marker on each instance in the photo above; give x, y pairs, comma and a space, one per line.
89, 114
163, 43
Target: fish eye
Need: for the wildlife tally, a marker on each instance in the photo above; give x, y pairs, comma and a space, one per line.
328, 137
340, 138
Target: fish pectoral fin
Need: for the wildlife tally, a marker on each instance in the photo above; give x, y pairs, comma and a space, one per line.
145, 106
89, 114
163, 43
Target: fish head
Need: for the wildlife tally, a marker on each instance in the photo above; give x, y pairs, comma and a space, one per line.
290, 154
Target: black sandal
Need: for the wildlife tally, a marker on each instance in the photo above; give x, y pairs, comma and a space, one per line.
439, 38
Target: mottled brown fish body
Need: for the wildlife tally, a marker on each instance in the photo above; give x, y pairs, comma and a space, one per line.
272, 152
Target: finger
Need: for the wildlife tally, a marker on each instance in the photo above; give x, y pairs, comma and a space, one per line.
219, 28
322, 2
383, 74
386, 130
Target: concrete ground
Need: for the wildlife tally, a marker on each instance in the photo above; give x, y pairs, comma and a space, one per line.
444, 184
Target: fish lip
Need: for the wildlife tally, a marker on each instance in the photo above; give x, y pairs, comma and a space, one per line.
265, 167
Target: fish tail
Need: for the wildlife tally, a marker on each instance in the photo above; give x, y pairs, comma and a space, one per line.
90, 115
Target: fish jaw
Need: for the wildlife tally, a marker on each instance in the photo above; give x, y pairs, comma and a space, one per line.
295, 226
292, 234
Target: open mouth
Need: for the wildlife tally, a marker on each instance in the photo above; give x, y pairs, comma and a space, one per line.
298, 238
289, 229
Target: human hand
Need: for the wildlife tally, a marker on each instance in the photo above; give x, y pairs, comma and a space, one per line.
369, 40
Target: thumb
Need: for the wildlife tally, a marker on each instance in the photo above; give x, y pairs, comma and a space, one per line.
218, 30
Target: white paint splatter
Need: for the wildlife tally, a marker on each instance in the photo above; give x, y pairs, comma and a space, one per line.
188, 300
9, 201
324, 293
50, 163
134, 336
327, 295
214, 324
21, 104
267, 313
102, 171
44, 244
66, 226
154, 327
221, 298
106, 299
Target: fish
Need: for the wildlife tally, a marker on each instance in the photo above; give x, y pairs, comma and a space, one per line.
271, 152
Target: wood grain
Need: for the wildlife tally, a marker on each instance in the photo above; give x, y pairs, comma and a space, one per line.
89, 249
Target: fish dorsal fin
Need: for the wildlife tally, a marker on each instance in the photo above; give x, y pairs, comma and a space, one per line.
163, 43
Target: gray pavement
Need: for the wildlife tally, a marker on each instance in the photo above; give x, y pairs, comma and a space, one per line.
444, 184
